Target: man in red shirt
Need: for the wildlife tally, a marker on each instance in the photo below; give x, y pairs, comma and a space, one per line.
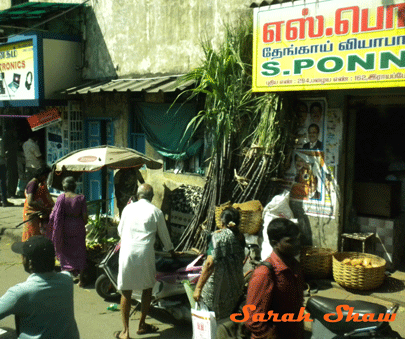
279, 288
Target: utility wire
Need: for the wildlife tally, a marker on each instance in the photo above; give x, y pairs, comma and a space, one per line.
44, 22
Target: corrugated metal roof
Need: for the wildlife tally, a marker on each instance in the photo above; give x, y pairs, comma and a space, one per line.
268, 3
149, 85
33, 10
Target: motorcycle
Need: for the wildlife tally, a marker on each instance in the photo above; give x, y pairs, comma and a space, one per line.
168, 293
339, 318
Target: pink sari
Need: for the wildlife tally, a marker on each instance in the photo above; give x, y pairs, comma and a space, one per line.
69, 232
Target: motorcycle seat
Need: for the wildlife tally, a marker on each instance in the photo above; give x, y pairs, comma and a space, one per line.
169, 264
318, 306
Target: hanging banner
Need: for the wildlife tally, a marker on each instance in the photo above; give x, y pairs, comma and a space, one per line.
17, 71
44, 119
330, 44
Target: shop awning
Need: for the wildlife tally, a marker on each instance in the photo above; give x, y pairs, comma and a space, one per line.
267, 3
33, 11
148, 85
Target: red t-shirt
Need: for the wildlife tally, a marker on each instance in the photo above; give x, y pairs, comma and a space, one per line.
280, 291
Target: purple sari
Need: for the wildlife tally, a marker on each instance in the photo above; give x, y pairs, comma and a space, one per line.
69, 232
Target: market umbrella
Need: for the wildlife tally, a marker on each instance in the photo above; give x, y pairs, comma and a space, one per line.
94, 159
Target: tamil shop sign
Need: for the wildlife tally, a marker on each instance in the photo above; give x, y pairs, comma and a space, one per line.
323, 45
17, 71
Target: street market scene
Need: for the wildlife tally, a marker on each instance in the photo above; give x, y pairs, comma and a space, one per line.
202, 169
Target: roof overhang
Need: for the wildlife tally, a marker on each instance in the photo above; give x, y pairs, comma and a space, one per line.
34, 11
163, 84
262, 3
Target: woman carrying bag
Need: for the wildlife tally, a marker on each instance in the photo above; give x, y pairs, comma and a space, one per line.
221, 282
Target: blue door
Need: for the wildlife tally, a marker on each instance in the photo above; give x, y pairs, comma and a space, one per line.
99, 132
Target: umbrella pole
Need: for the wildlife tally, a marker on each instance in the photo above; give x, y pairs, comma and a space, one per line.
104, 172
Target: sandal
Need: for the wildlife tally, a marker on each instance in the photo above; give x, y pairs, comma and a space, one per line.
148, 328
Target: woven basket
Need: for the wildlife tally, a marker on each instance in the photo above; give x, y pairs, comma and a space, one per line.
250, 215
359, 278
317, 262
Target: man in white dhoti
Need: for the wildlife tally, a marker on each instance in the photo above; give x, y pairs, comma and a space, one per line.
139, 224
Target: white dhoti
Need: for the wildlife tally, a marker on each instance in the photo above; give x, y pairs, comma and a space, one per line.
139, 224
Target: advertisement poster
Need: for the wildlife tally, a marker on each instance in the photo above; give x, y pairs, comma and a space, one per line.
309, 177
329, 44
333, 136
17, 71
44, 119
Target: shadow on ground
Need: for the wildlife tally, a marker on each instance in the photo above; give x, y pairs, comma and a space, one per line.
390, 285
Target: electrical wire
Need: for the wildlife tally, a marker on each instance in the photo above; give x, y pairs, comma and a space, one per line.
44, 22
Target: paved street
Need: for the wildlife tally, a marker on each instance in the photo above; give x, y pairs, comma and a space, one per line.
96, 322
91, 313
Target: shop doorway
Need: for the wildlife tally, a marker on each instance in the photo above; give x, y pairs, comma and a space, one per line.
379, 141
100, 185
379, 161
378, 187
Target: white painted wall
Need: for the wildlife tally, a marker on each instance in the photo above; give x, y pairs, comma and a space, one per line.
143, 38
62, 63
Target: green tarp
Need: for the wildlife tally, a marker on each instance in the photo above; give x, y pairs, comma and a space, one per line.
164, 127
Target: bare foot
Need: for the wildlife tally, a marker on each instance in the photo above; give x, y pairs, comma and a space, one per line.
147, 328
119, 335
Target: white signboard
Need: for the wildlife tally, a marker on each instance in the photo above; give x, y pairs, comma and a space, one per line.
17, 71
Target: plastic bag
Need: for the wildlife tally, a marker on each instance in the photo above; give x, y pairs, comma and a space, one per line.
278, 207
204, 323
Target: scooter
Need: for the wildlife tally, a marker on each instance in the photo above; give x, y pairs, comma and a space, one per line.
339, 318
168, 293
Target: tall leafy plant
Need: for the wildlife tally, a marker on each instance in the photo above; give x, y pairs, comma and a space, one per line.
237, 119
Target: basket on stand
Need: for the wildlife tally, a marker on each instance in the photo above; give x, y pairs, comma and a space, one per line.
251, 219
316, 262
358, 277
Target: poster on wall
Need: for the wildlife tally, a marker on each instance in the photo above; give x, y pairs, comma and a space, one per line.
310, 178
333, 136
329, 44
17, 71
309, 182
311, 120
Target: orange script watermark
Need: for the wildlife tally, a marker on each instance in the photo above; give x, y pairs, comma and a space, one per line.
302, 316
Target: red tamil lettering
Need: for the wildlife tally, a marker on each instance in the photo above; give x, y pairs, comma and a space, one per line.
292, 31
365, 20
268, 32
342, 25
389, 19
311, 26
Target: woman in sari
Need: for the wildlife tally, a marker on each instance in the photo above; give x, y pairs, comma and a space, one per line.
68, 220
221, 282
37, 206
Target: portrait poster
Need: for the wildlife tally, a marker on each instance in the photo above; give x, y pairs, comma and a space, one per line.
333, 136
310, 178
310, 182
311, 121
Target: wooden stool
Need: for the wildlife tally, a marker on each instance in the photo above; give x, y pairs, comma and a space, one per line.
363, 237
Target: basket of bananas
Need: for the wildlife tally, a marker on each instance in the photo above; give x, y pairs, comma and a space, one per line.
360, 271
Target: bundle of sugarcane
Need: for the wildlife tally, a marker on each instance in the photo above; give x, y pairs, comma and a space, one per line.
237, 117
273, 139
